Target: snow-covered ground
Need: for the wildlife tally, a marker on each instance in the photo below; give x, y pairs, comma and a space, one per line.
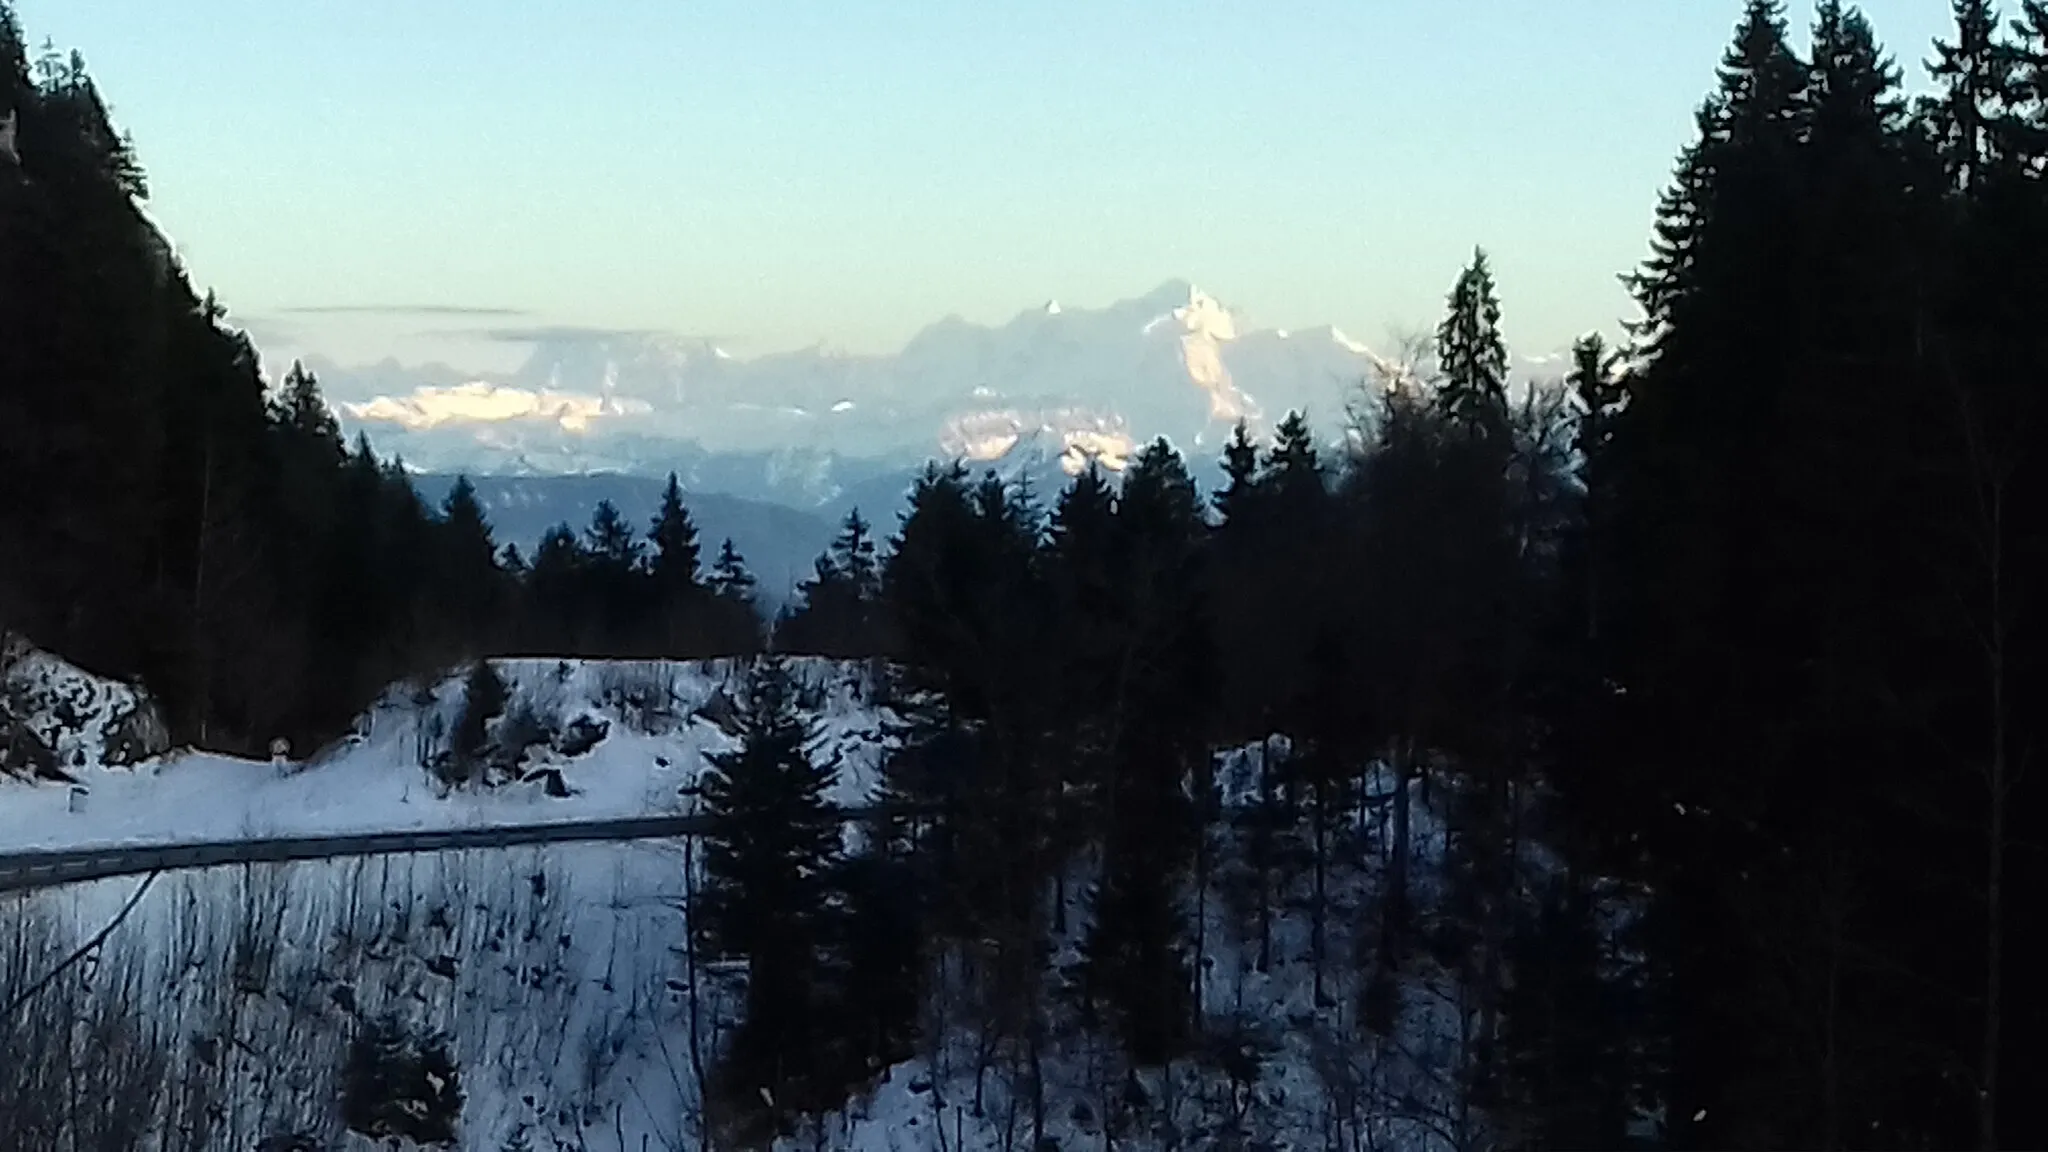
557, 975
233, 993
654, 743
559, 978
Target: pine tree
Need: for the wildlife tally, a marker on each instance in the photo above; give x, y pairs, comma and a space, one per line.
931, 583
557, 590
735, 620
466, 585
2023, 139
769, 858
469, 532
1084, 564
1240, 470
1974, 78
615, 590
1137, 963
679, 602
837, 613
1471, 358
676, 553
483, 699
610, 541
853, 556
1598, 392
730, 579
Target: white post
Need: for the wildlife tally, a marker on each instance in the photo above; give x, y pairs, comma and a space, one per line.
280, 749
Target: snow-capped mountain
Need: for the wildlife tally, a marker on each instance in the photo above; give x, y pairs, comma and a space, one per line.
1057, 384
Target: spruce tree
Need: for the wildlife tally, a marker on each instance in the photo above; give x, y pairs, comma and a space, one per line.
676, 552
931, 584
677, 600
468, 530
837, 614
735, 619
615, 584
1973, 75
467, 591
1471, 358
557, 590
484, 695
769, 858
1085, 566
853, 556
1240, 471
610, 541
1137, 961
729, 577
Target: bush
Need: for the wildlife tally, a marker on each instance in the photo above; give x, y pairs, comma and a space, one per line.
396, 1083
483, 700
642, 693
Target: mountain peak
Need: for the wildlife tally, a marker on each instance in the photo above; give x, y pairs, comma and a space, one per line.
1174, 293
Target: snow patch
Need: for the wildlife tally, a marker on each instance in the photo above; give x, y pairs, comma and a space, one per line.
479, 402
656, 738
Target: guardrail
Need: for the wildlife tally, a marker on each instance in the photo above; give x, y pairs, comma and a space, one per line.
44, 869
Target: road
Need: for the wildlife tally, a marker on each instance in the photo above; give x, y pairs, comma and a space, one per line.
44, 869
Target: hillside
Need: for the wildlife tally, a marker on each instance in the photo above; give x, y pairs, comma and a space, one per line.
556, 981
624, 738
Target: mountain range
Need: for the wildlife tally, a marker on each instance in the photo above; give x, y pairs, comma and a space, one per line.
808, 427
775, 449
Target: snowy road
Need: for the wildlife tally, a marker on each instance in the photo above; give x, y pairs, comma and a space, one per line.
24, 870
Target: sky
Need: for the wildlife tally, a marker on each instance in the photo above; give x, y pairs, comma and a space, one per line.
363, 178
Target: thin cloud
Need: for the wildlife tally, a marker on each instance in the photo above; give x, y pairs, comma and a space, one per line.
564, 334
404, 310
265, 329
559, 334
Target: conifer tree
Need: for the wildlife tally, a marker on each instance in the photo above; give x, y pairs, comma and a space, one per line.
468, 531
610, 540
1471, 358
467, 590
614, 587
676, 553
555, 586
837, 613
1137, 957
730, 578
769, 858
1084, 563
1240, 470
1973, 75
483, 699
932, 583
677, 600
735, 618
1598, 391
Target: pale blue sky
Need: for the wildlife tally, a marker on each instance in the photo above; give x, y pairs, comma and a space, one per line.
779, 172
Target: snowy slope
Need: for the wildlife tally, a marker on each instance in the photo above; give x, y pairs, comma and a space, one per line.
558, 976
233, 994
558, 973
376, 782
